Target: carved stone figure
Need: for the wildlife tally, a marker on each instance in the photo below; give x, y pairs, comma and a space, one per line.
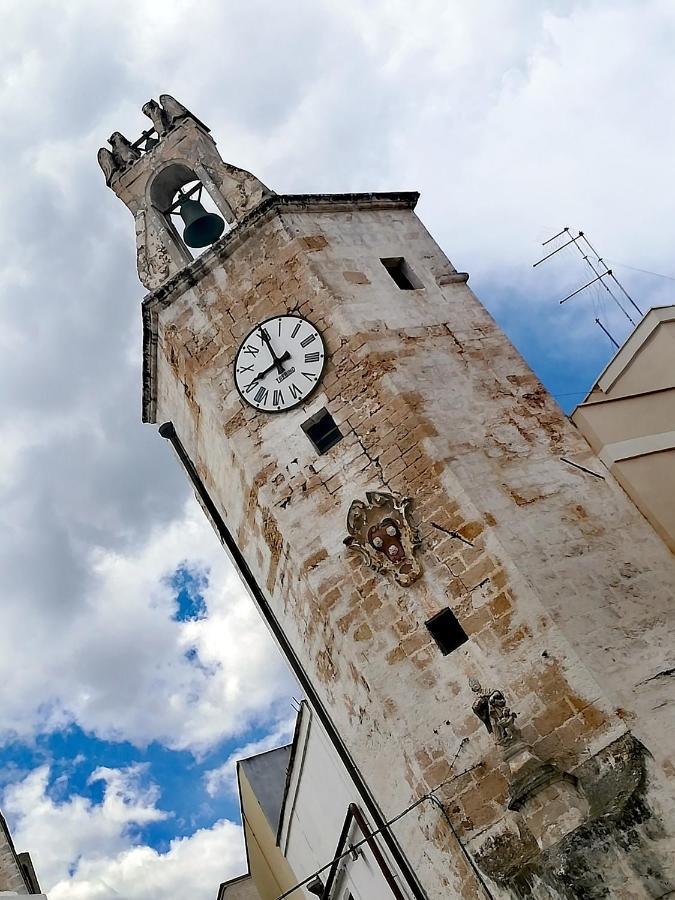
122, 151
480, 705
173, 109
159, 117
382, 532
502, 719
107, 163
491, 709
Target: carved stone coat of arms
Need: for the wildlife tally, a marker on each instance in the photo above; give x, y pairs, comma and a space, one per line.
382, 532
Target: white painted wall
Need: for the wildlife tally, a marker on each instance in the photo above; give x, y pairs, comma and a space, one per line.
319, 793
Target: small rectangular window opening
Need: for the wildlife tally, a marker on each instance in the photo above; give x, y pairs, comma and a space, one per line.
322, 431
446, 631
402, 274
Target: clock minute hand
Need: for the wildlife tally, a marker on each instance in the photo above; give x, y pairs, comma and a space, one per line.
277, 359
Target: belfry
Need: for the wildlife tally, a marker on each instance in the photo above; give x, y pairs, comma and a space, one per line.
480, 617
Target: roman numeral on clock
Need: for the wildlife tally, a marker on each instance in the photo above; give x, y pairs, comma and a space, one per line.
261, 395
312, 357
277, 398
296, 329
250, 387
305, 342
249, 348
295, 392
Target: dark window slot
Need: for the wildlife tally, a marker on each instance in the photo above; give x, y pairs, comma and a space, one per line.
446, 631
402, 274
322, 431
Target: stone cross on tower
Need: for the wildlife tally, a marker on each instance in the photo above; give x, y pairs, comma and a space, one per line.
412, 510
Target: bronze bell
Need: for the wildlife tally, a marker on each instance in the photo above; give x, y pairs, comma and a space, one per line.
201, 227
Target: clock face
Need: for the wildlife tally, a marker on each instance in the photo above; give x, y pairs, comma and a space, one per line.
279, 363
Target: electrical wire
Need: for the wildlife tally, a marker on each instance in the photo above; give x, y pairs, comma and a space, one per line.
466, 853
572, 393
613, 277
644, 271
390, 822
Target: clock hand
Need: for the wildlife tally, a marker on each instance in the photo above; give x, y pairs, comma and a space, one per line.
277, 360
275, 365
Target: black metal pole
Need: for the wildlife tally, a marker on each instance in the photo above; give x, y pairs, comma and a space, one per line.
579, 290
600, 259
168, 431
598, 322
553, 252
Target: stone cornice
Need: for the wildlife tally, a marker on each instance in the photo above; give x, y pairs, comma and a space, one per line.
193, 273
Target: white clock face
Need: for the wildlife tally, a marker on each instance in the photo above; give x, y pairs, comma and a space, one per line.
279, 363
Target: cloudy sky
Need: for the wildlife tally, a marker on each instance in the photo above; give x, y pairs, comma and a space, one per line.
134, 670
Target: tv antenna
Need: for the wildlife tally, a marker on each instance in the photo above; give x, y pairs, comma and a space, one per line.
607, 279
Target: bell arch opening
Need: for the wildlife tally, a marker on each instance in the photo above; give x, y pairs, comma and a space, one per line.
190, 213
168, 182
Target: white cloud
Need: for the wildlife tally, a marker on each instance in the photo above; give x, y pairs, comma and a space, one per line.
513, 119
193, 867
122, 666
87, 851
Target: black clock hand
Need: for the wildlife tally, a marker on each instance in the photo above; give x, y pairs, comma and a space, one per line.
277, 360
276, 364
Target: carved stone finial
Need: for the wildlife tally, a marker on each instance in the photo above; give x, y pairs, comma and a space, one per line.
107, 163
173, 109
158, 116
382, 532
122, 152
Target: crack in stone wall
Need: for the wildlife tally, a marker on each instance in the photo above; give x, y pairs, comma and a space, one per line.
401, 706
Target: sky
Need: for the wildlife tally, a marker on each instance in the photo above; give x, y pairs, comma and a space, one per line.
134, 669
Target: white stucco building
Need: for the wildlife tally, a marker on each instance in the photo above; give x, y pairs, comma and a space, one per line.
300, 811
628, 418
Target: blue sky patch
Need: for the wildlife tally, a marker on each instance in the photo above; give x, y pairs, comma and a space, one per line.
189, 584
73, 755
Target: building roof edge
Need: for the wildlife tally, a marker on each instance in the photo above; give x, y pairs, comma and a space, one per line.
627, 352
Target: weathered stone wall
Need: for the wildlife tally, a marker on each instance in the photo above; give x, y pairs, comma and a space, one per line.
148, 187
563, 588
11, 878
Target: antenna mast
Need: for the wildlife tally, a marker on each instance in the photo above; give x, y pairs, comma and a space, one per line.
596, 265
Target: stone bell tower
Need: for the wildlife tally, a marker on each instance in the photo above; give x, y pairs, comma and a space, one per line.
467, 594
